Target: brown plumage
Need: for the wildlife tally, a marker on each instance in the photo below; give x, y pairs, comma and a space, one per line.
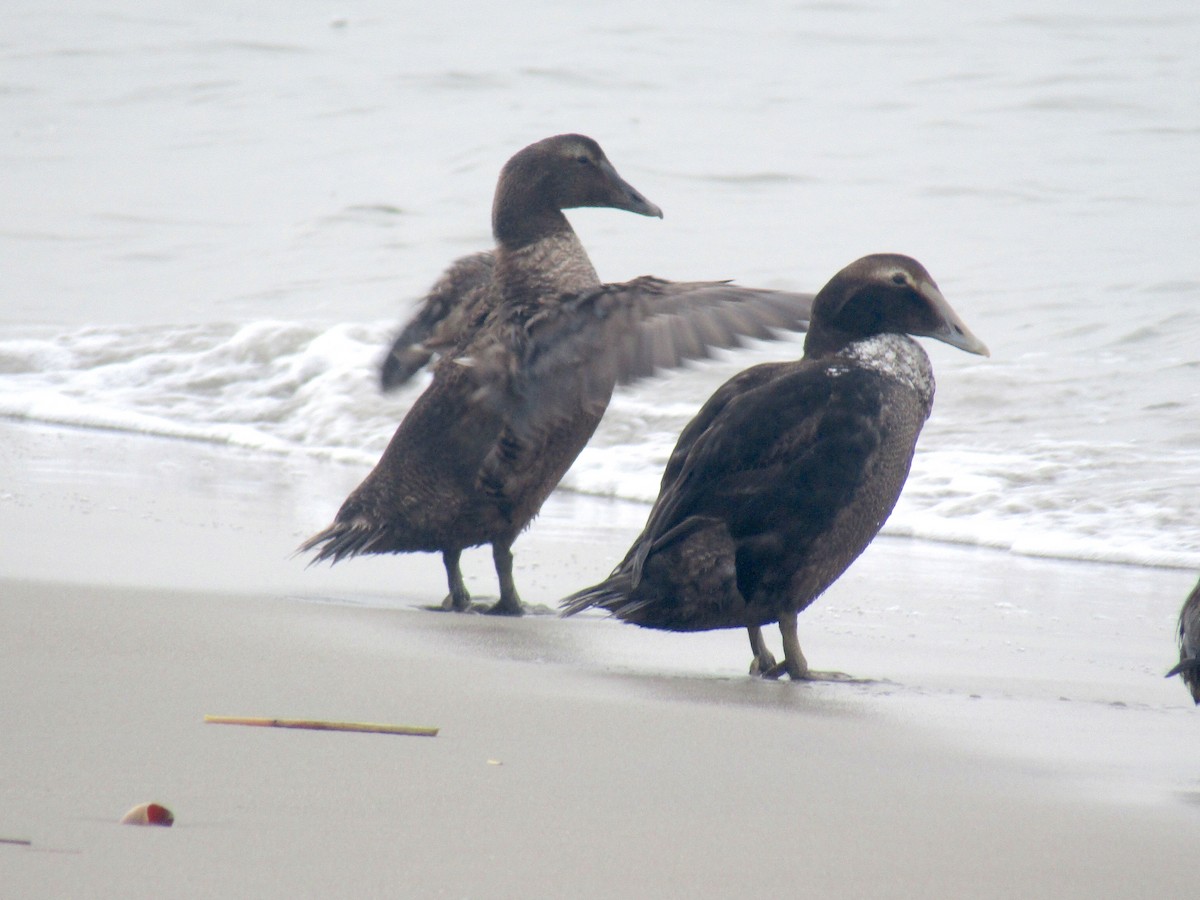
1188, 667
455, 305
514, 402
790, 469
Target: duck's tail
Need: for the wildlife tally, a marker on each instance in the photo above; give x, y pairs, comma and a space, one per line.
613, 594
1189, 670
343, 539
1185, 667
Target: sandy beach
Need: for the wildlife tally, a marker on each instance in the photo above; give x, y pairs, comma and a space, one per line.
1016, 738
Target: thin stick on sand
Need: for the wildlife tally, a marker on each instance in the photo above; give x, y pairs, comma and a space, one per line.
318, 725
20, 842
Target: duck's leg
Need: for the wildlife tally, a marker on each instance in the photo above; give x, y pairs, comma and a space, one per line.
764, 660
458, 600
793, 658
794, 665
509, 603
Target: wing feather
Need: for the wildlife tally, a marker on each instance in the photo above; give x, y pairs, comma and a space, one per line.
544, 366
452, 308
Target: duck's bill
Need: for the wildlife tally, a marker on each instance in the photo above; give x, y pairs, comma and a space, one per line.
950, 329
625, 196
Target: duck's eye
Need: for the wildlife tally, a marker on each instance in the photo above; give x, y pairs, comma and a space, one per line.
583, 160
899, 278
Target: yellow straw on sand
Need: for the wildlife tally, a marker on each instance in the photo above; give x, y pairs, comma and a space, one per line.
324, 726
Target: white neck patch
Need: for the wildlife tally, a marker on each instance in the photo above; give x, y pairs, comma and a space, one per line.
894, 356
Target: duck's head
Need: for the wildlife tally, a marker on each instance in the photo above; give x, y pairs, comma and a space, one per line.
566, 171
884, 293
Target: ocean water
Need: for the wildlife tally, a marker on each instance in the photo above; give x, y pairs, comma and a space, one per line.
213, 218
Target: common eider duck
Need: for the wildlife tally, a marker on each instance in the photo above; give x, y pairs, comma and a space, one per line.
1189, 644
790, 469
510, 408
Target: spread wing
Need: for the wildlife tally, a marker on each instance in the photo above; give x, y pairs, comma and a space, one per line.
540, 366
452, 309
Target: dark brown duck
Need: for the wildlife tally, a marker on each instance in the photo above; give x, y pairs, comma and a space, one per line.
513, 403
790, 469
1189, 644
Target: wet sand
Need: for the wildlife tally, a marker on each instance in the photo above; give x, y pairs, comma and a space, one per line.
1016, 737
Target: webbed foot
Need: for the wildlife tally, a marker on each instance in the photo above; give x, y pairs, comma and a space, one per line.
807, 674
760, 667
503, 607
455, 604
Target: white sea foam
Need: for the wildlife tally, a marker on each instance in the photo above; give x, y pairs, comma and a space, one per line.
291, 388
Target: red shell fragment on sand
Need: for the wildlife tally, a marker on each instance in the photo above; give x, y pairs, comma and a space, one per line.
149, 814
